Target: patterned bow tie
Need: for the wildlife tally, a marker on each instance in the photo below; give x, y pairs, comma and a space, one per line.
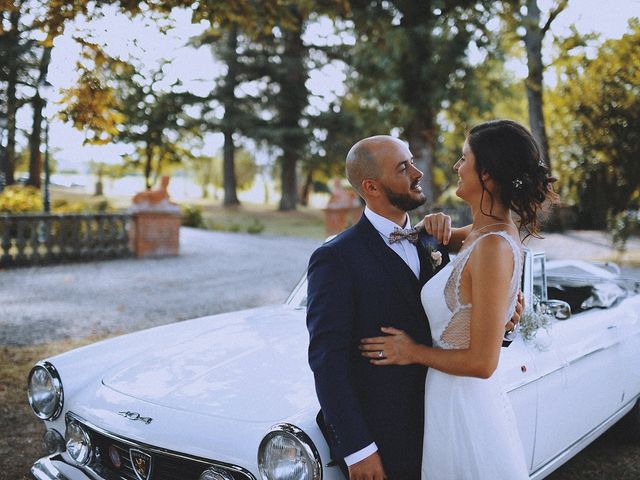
398, 234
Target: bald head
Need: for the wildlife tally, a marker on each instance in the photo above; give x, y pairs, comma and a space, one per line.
364, 159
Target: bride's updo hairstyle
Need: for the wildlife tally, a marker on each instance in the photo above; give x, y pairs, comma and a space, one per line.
509, 154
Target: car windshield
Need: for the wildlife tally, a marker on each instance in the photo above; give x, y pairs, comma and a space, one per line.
298, 296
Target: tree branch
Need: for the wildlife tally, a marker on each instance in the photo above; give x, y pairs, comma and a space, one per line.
552, 16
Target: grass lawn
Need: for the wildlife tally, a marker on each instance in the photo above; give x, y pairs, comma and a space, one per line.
21, 432
303, 222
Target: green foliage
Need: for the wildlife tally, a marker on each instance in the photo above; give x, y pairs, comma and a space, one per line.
20, 199
409, 59
488, 92
192, 216
596, 128
117, 101
621, 226
63, 205
255, 227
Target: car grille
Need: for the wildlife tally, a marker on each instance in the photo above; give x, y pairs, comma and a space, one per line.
165, 465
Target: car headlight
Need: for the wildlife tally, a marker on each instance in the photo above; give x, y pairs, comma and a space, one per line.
45, 392
78, 443
287, 453
215, 474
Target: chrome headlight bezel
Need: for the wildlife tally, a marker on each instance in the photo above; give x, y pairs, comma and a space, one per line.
303, 441
56, 390
78, 442
215, 473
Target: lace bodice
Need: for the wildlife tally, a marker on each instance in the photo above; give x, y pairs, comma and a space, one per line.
449, 317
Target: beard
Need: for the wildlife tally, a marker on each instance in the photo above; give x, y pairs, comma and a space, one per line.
403, 201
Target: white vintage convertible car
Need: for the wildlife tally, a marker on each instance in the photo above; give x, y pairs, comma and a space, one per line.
231, 396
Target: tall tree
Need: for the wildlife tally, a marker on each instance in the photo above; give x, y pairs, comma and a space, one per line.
38, 104
13, 49
408, 58
245, 65
596, 106
117, 102
290, 104
524, 19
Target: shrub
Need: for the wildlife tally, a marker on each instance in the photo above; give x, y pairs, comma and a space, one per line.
61, 205
621, 226
20, 199
255, 227
192, 216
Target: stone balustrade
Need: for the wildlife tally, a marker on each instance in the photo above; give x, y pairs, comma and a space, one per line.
38, 239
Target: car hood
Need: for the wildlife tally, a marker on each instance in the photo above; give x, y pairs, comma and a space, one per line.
247, 366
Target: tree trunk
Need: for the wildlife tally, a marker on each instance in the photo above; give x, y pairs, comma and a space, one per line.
421, 139
229, 181
418, 89
147, 164
533, 44
292, 101
12, 101
35, 156
594, 202
306, 188
229, 170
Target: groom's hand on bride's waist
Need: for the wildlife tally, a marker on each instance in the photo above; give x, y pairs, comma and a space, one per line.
369, 468
515, 318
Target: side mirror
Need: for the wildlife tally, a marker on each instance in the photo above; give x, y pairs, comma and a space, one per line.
559, 309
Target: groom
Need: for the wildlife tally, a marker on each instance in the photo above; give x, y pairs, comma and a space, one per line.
364, 279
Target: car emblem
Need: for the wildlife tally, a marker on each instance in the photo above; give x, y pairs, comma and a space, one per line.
136, 416
141, 463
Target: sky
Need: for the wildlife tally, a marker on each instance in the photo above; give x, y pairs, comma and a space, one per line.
196, 68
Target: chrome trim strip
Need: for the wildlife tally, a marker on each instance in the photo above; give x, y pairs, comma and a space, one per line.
588, 354
162, 451
57, 385
577, 446
564, 365
301, 437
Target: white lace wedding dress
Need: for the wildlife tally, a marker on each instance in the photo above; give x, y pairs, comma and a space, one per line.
470, 428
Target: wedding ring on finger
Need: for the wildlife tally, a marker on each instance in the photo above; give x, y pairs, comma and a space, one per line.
380, 354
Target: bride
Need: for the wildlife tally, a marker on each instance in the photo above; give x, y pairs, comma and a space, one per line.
470, 429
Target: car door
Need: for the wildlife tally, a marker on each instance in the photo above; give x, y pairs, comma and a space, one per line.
579, 380
629, 330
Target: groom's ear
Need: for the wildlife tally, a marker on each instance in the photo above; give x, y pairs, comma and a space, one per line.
370, 187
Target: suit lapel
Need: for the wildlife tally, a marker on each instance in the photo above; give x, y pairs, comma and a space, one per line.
426, 270
427, 243
399, 272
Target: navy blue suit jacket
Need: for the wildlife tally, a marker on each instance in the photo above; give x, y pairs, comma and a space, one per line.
357, 284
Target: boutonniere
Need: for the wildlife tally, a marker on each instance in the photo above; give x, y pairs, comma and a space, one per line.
435, 256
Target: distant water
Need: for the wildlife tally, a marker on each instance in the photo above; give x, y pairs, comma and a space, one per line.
180, 188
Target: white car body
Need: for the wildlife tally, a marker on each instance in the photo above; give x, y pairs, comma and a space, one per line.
210, 389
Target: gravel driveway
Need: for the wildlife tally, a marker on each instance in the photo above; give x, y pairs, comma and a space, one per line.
215, 272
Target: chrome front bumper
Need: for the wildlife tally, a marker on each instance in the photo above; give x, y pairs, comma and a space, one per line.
55, 468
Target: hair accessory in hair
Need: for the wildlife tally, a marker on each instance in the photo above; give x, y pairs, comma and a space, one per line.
517, 183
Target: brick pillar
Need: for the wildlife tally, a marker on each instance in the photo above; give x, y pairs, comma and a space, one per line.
155, 234
337, 219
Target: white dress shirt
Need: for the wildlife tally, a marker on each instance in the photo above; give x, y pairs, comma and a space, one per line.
409, 254
404, 248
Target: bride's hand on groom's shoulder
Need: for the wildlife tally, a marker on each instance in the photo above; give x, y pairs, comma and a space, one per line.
395, 348
437, 225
